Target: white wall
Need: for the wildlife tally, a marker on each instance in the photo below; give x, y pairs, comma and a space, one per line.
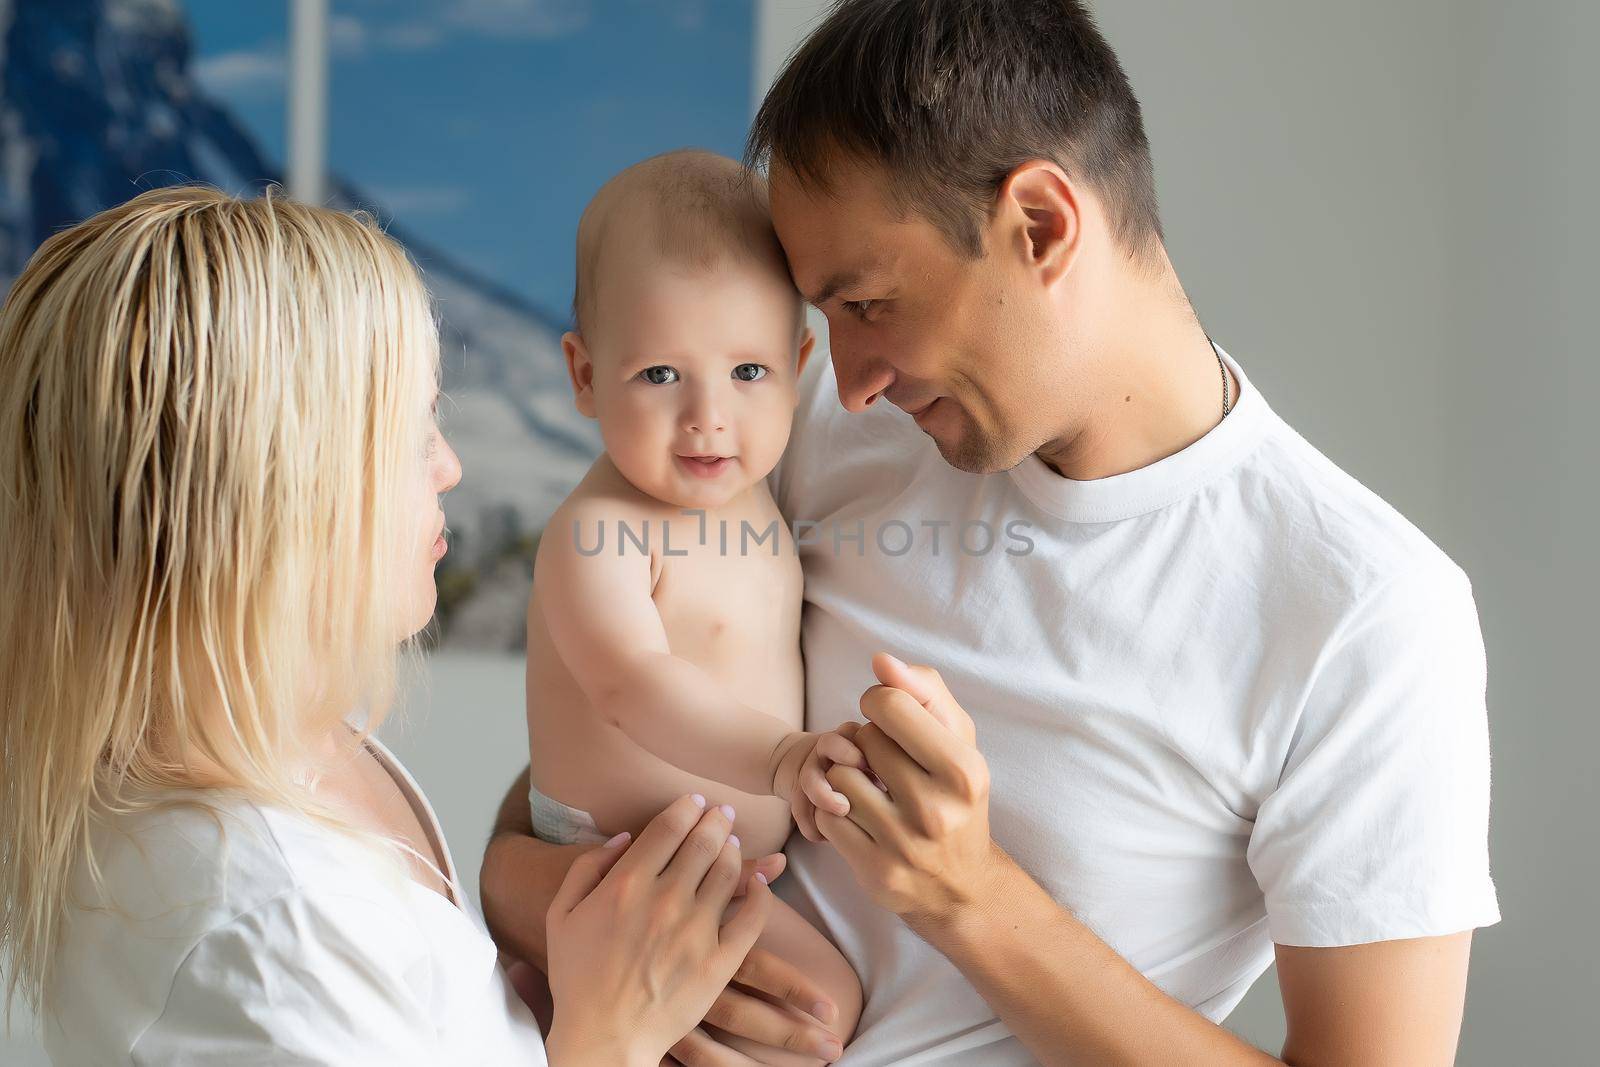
1520, 382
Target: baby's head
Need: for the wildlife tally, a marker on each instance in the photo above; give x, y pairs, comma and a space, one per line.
690, 334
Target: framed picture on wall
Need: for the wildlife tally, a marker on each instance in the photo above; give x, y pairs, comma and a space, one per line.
476, 130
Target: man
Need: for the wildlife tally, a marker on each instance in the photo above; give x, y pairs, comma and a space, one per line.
1201, 702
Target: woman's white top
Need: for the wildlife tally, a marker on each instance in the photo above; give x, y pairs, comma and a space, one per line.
243, 934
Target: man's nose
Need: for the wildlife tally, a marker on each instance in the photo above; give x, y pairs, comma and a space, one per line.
861, 382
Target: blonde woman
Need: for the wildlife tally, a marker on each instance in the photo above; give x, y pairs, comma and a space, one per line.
220, 476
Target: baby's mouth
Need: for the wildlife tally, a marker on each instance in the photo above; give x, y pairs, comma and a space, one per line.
705, 465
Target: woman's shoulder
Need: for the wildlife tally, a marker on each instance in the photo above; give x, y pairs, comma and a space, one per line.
205, 886
195, 862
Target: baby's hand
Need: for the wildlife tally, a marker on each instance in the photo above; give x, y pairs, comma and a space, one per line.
801, 776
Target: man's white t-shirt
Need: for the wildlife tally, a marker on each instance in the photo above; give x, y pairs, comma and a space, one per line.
243, 934
1228, 699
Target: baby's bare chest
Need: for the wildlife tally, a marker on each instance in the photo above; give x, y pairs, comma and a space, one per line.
720, 608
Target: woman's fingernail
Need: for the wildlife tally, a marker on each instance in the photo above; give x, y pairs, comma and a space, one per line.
727, 809
733, 839
761, 878
619, 839
822, 1011
699, 801
841, 800
896, 660
830, 1049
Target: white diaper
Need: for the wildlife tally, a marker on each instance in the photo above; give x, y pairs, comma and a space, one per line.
562, 824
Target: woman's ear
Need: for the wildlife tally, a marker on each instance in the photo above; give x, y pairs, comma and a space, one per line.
808, 341
1043, 218
580, 368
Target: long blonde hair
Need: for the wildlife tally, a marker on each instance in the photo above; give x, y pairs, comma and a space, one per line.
210, 408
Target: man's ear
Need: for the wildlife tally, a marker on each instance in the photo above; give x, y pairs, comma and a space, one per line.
580, 368
808, 341
1040, 218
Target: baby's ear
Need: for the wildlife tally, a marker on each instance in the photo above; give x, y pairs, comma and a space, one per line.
580, 368
808, 341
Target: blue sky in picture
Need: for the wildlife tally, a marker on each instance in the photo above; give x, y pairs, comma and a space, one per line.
484, 126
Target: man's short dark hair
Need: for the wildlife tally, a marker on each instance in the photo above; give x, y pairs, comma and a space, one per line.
950, 96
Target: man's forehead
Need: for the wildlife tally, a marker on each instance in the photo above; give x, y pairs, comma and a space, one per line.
826, 259
824, 256
827, 214
833, 237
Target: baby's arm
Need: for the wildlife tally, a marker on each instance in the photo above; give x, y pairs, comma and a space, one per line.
605, 627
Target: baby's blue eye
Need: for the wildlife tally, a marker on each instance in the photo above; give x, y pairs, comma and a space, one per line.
749, 372
659, 375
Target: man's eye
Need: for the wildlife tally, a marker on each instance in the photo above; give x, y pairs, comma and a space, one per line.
858, 308
659, 375
749, 372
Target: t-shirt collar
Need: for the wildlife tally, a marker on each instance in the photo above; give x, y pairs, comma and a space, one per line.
1164, 482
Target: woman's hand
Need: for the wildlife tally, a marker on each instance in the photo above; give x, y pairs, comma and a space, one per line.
637, 949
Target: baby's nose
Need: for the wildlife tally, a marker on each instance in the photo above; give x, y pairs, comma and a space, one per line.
705, 415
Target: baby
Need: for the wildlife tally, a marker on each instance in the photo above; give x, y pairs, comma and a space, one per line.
664, 626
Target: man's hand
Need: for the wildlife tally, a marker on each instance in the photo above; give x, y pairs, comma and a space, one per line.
799, 775
920, 846
749, 1008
